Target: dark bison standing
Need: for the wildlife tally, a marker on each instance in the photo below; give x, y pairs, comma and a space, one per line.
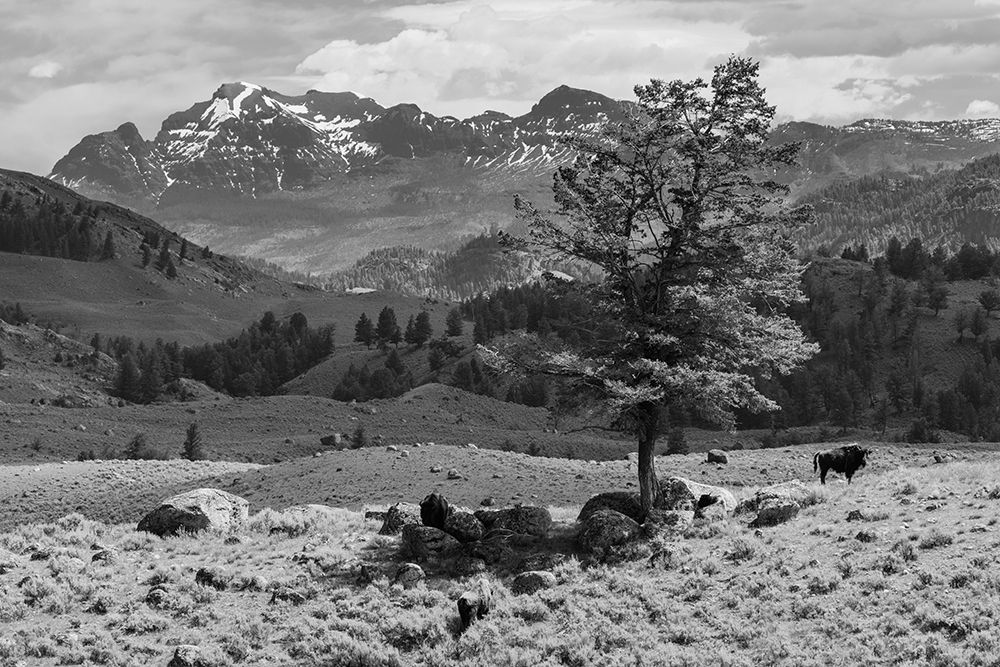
847, 459
434, 510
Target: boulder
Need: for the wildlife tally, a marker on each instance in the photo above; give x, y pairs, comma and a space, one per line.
197, 510
668, 520
773, 510
526, 520
463, 526
605, 529
678, 493
531, 582
492, 550
334, 440
779, 503
476, 603
454, 474
717, 456
792, 489
398, 516
624, 502
425, 542
409, 575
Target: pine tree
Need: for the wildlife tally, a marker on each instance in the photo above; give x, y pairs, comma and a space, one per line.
147, 254
182, 255
193, 449
364, 331
423, 330
386, 330
127, 382
453, 325
171, 270
3, 362
410, 336
479, 336
164, 258
435, 359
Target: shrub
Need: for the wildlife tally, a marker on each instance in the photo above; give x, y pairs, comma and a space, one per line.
935, 539
139, 448
359, 439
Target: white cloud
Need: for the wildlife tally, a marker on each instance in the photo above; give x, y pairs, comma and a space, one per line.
457, 55
982, 109
45, 70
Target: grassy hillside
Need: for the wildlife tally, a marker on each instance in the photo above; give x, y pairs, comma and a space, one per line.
897, 568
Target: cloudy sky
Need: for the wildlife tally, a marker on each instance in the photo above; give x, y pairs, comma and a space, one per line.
73, 67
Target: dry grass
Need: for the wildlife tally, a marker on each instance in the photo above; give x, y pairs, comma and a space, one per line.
804, 593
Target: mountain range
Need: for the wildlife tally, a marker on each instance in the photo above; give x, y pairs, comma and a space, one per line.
316, 181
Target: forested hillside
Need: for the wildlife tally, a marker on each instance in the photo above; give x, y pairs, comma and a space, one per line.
480, 265
948, 208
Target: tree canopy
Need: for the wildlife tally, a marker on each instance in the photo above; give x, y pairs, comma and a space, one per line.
675, 208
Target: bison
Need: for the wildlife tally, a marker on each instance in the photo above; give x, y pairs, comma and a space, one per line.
847, 459
434, 510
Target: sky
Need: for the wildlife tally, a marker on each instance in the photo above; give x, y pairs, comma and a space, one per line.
74, 67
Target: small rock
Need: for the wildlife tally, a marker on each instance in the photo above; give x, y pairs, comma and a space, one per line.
532, 581
104, 556
454, 474
187, 655
392, 448
287, 594
489, 501
717, 456
865, 536
436, 468
404, 454
409, 575
213, 577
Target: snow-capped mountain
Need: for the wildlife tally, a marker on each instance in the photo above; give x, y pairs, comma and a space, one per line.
316, 181
249, 140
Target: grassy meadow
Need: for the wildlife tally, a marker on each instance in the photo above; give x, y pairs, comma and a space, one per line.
899, 568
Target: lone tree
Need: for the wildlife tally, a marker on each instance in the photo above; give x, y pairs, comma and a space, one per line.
193, 449
989, 300
674, 207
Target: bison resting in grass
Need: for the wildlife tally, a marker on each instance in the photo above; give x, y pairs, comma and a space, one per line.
847, 459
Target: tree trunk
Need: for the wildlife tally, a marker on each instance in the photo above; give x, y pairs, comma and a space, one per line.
649, 429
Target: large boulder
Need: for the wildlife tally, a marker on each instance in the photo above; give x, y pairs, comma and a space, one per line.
663, 521
792, 490
492, 550
426, 542
463, 526
399, 515
525, 520
774, 510
532, 581
678, 493
625, 502
779, 503
605, 529
197, 510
